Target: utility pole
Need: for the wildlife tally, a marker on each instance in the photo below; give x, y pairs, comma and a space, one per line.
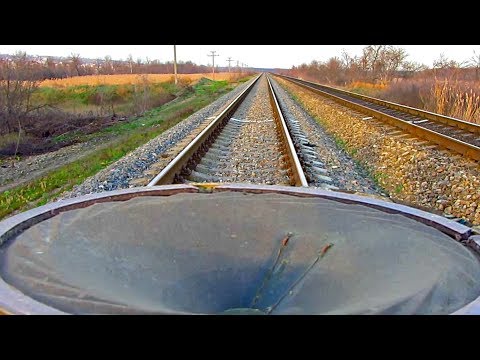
229, 61
212, 54
175, 63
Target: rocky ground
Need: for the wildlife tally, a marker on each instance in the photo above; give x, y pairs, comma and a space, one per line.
410, 170
256, 149
344, 171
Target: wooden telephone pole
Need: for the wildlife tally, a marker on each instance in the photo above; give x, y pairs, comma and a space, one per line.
212, 54
175, 63
229, 61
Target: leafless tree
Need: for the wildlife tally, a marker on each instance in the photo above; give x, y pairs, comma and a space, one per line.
370, 59
130, 63
108, 66
18, 81
141, 94
380, 62
75, 63
334, 70
413, 66
391, 60
447, 68
17, 84
475, 63
443, 62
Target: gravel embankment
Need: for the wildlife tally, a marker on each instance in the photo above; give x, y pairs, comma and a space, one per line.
119, 174
409, 171
344, 171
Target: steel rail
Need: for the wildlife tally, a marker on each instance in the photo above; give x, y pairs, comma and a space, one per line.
446, 141
174, 167
447, 120
298, 174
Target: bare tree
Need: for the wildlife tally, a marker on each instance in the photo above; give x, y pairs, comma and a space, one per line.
75, 63
370, 60
130, 63
98, 66
414, 67
380, 62
17, 83
108, 65
139, 65
334, 70
141, 94
445, 67
475, 63
391, 60
442, 62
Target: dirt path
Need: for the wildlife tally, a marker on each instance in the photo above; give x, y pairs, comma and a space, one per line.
35, 166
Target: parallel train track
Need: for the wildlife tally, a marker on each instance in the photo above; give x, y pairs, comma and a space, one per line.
454, 134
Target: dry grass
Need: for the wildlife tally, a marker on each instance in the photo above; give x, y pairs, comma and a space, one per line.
454, 99
366, 85
132, 79
450, 97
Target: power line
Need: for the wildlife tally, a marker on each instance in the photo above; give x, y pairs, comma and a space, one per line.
229, 61
212, 54
175, 63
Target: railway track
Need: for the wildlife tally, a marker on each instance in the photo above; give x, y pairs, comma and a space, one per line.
454, 134
250, 141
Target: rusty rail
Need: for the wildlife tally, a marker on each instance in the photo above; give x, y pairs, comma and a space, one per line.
446, 141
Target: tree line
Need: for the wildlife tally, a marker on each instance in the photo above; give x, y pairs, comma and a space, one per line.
21, 74
382, 64
74, 65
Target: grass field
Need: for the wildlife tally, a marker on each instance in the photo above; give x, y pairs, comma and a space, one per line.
128, 137
133, 79
84, 104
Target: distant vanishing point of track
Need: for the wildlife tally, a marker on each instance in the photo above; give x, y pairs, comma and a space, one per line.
249, 142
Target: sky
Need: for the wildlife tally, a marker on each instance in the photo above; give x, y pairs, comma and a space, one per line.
266, 56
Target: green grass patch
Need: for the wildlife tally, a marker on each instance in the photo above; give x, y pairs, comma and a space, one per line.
121, 99
129, 136
91, 94
340, 142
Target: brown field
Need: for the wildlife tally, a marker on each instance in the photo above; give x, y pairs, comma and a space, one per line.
366, 85
132, 79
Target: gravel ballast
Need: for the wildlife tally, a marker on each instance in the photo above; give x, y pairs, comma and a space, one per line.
410, 171
344, 171
256, 149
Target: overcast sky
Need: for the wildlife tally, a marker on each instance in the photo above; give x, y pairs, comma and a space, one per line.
281, 56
